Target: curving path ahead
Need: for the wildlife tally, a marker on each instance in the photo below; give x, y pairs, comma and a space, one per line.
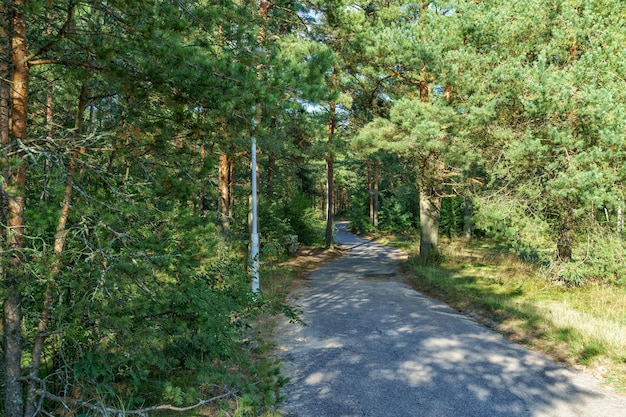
374, 347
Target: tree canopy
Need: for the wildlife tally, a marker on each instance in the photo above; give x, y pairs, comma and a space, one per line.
125, 130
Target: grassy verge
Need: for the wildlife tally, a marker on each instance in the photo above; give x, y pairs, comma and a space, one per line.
277, 279
584, 327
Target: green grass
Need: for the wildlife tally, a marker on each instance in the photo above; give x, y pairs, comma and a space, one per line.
583, 326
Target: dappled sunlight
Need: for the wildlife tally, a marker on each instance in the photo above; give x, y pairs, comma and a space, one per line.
410, 355
411, 373
415, 373
481, 393
317, 378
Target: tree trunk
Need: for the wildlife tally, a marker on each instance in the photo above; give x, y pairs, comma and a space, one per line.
565, 232
467, 219
430, 211
430, 203
330, 165
330, 178
224, 209
376, 180
5, 91
5, 87
328, 240
231, 188
565, 243
15, 178
370, 190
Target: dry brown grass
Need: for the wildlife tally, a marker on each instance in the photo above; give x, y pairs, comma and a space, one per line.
283, 277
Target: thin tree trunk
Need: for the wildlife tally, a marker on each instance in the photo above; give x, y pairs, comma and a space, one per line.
467, 219
15, 190
328, 241
565, 244
376, 180
59, 245
224, 209
330, 180
250, 198
231, 188
330, 165
565, 235
370, 190
5, 91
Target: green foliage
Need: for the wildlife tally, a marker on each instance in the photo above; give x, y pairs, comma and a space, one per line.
511, 224
452, 211
522, 131
304, 220
148, 302
601, 258
358, 214
399, 210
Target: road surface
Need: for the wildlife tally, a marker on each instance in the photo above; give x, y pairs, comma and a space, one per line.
374, 347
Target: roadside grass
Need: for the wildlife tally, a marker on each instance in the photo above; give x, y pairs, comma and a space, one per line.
582, 326
279, 276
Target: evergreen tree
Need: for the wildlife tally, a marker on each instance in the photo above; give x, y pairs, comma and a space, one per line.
115, 109
552, 100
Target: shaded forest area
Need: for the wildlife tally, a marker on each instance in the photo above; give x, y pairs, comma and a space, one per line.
125, 131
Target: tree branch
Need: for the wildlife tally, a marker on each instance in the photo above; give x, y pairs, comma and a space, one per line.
62, 31
107, 411
404, 77
66, 63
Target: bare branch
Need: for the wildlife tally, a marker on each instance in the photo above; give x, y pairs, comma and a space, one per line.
107, 411
66, 63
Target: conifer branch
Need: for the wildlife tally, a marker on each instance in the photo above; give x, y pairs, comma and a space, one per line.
66, 63
62, 31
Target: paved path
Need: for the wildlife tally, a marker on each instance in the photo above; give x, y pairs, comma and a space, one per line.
374, 347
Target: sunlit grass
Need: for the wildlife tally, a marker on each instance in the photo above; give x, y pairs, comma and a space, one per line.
584, 326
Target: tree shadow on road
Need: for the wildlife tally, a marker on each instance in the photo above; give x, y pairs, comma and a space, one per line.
378, 348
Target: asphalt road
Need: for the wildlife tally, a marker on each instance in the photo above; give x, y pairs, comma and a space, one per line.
374, 347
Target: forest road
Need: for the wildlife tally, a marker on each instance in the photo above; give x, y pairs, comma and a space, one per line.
374, 347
